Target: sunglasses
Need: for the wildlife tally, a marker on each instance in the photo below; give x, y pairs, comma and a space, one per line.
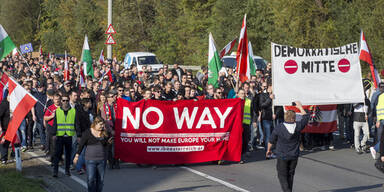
120, 90
65, 100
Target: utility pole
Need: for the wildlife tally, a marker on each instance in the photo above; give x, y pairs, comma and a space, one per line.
109, 47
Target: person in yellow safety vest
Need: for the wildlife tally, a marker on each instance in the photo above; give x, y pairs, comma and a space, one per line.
65, 125
377, 101
247, 119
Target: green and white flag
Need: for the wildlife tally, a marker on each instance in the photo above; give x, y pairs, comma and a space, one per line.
252, 65
86, 58
214, 63
6, 44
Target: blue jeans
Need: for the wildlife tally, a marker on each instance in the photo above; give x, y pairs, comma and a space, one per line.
260, 132
379, 132
377, 147
95, 174
39, 126
22, 133
74, 147
81, 160
267, 124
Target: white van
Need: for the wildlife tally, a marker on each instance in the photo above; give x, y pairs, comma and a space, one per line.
140, 59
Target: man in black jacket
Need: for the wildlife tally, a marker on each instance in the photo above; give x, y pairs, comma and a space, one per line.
39, 112
4, 120
265, 103
286, 138
84, 113
177, 71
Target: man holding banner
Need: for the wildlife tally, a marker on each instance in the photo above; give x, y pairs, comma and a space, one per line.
286, 138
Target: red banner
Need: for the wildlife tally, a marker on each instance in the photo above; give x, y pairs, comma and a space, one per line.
167, 132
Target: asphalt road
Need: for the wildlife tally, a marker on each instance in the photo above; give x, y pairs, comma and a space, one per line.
338, 171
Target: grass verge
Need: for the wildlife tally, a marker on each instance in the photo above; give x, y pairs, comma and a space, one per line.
14, 181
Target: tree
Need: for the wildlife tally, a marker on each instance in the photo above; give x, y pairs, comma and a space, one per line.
164, 39
21, 20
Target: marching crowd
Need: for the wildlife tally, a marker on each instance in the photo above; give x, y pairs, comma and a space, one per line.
69, 117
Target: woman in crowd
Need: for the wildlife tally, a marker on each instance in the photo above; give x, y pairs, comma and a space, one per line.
96, 141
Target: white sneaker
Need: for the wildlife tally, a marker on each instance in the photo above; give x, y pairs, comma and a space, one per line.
373, 152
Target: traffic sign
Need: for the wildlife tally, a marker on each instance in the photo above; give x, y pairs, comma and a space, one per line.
290, 67
344, 65
110, 40
110, 30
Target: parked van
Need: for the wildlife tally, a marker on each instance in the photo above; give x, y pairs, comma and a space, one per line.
141, 59
229, 61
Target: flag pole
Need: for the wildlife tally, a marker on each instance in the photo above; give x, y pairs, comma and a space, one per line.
237, 84
238, 73
78, 76
104, 75
273, 103
25, 60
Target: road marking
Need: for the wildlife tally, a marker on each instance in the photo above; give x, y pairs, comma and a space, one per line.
234, 187
61, 170
341, 167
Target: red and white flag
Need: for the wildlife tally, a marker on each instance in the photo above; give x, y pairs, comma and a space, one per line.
82, 79
365, 55
323, 118
101, 58
20, 103
41, 51
15, 52
66, 68
109, 74
228, 48
242, 56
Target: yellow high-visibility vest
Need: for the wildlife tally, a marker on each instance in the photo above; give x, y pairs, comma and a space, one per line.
247, 112
65, 124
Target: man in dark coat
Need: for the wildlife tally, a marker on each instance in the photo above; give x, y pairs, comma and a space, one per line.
4, 120
286, 138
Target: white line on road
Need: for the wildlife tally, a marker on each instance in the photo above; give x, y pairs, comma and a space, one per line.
77, 179
234, 187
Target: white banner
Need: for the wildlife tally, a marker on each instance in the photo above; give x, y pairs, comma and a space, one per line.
316, 76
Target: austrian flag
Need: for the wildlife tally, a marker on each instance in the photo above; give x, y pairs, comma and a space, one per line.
20, 103
242, 55
109, 74
365, 55
228, 48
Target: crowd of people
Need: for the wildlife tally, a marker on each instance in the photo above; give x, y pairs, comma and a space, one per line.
92, 106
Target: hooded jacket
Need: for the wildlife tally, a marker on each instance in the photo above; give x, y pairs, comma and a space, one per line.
287, 144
